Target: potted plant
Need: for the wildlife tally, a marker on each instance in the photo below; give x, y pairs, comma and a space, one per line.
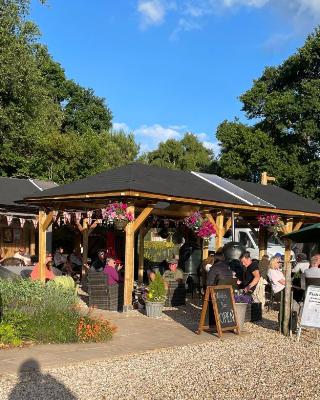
271, 222
242, 301
155, 297
118, 214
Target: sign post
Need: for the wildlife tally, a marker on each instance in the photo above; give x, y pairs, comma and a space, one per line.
311, 309
223, 309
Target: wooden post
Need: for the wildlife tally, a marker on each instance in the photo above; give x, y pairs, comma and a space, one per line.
32, 240
220, 230
142, 234
265, 178
263, 242
287, 273
129, 263
85, 244
44, 221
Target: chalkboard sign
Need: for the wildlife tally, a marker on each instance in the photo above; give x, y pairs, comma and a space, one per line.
222, 301
311, 309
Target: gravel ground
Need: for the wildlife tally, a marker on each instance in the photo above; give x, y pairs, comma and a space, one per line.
259, 365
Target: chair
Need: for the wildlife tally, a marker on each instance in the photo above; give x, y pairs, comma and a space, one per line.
176, 295
12, 261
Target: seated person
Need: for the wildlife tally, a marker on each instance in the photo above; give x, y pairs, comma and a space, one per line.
302, 264
100, 262
277, 279
49, 275
220, 273
76, 260
312, 272
173, 274
59, 258
112, 271
22, 255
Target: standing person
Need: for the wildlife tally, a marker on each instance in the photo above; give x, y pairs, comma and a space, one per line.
277, 279
59, 258
21, 254
112, 272
220, 273
251, 274
204, 269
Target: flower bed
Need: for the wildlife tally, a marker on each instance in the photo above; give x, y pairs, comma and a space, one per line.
45, 313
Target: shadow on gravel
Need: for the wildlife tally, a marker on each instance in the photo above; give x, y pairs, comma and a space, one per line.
35, 385
187, 316
266, 323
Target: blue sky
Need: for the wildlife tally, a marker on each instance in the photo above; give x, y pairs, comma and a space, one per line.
170, 66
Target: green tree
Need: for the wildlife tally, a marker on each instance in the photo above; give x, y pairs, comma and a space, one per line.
284, 104
187, 154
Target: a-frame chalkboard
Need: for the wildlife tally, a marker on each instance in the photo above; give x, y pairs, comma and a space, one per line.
223, 304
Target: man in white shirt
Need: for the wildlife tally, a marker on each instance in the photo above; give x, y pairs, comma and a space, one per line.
312, 272
22, 255
302, 263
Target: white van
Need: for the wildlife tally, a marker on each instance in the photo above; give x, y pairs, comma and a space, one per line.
249, 239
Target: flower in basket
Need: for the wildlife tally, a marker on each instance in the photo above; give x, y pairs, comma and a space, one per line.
202, 227
270, 221
117, 212
206, 230
194, 221
156, 291
243, 298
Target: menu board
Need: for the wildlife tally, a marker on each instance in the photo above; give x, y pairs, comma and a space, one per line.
221, 299
311, 308
224, 301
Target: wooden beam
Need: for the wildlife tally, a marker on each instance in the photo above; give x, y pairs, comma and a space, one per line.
227, 225
212, 220
142, 234
48, 220
265, 178
32, 240
297, 226
287, 269
42, 245
141, 218
129, 263
220, 230
262, 242
85, 245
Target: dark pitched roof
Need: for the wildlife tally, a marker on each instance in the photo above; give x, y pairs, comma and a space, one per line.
14, 189
162, 181
281, 198
146, 178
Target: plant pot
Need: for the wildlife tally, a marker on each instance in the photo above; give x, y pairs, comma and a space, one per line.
119, 225
241, 309
154, 310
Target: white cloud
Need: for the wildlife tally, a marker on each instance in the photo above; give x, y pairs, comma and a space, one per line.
152, 12
120, 126
157, 132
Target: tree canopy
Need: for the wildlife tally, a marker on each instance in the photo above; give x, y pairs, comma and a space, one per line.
187, 154
50, 126
284, 104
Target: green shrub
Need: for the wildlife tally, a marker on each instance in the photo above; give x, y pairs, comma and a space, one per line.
65, 281
157, 290
8, 335
20, 321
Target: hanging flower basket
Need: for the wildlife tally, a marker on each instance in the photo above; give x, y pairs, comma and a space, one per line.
271, 222
117, 214
119, 225
202, 227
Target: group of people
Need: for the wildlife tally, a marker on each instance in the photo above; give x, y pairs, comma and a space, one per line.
110, 266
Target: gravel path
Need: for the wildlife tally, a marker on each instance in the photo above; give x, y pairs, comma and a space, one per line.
260, 365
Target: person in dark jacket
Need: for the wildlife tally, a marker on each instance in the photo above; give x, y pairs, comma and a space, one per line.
220, 273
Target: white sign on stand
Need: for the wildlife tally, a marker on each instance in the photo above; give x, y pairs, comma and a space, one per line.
311, 309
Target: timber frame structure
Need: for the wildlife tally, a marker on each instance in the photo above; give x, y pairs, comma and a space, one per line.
150, 190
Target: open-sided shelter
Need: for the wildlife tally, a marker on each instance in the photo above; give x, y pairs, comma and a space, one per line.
171, 193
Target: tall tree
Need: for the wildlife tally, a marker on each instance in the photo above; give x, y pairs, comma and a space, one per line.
185, 154
284, 103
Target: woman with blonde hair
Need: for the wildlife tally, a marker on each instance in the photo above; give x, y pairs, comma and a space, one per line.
276, 277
